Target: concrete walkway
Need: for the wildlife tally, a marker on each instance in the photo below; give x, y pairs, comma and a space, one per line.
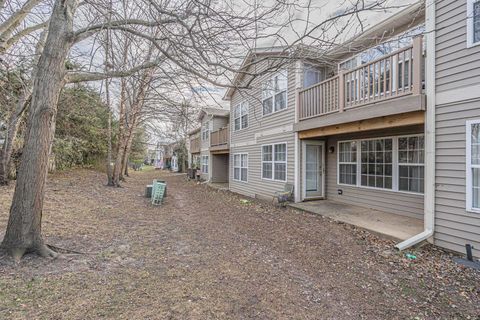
385, 224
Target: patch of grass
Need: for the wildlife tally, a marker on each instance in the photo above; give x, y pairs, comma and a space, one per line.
148, 168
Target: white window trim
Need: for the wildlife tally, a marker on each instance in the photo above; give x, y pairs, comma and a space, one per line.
273, 96
469, 19
339, 163
409, 164
206, 131
469, 166
233, 166
273, 161
240, 115
395, 165
203, 165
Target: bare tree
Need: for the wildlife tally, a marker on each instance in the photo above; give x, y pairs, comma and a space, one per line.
10, 34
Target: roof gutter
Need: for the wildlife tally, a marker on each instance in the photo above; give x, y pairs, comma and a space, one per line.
429, 196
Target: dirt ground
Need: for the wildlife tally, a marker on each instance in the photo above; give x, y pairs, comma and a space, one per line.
205, 254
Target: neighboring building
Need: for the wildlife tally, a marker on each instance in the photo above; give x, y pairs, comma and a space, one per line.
175, 156
455, 61
194, 149
214, 146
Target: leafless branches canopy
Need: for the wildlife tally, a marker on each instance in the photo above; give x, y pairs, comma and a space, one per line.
153, 57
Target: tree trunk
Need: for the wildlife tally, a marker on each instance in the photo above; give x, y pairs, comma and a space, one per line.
125, 165
13, 123
109, 139
121, 144
126, 153
109, 129
24, 224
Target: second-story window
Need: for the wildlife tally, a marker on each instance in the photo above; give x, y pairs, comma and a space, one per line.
206, 131
473, 22
240, 115
274, 93
312, 75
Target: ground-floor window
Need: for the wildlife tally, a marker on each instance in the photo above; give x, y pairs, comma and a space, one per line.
240, 167
473, 165
411, 163
204, 164
391, 163
347, 162
274, 161
376, 161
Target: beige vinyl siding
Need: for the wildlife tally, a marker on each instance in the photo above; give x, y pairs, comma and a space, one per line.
219, 168
256, 187
256, 121
401, 203
219, 122
454, 226
273, 128
456, 66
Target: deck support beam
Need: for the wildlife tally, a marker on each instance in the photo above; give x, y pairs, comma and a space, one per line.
393, 121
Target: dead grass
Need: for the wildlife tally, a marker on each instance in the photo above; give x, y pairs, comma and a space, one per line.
206, 255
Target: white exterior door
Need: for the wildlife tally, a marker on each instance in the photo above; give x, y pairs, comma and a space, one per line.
313, 169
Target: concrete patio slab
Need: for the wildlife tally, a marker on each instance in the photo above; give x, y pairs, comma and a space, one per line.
385, 224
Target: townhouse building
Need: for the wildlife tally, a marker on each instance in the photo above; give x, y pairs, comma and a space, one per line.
389, 121
292, 124
193, 147
208, 146
262, 141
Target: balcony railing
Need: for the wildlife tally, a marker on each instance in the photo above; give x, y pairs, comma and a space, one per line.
195, 145
219, 137
391, 76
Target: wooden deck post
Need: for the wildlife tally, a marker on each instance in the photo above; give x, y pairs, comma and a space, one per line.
341, 92
299, 114
417, 57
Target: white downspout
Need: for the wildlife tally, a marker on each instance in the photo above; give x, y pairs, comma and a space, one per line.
429, 196
297, 174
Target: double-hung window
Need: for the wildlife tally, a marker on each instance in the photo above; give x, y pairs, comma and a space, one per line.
206, 131
274, 161
240, 116
347, 162
473, 22
473, 165
411, 163
274, 93
240, 167
376, 163
204, 164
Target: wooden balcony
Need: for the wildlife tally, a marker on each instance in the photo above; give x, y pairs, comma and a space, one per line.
219, 140
195, 145
391, 84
